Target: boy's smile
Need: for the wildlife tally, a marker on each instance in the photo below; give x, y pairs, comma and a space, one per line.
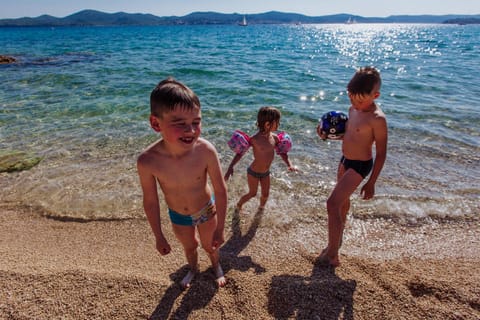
180, 127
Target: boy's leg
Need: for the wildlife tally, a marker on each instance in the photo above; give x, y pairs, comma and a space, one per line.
337, 203
206, 231
186, 236
346, 203
252, 191
265, 189
344, 211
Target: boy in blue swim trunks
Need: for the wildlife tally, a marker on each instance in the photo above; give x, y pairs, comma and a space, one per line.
181, 163
366, 126
263, 144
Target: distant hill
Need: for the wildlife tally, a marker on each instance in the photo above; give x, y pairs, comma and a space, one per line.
97, 18
88, 18
463, 21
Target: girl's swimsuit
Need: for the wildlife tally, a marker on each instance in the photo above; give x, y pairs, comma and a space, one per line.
195, 219
258, 175
363, 168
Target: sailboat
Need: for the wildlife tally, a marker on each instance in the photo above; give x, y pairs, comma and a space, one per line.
351, 21
244, 22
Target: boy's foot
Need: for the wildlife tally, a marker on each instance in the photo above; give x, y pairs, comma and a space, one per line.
185, 283
325, 258
220, 278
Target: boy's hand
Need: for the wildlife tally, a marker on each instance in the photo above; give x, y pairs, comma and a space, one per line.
367, 191
321, 134
218, 239
162, 246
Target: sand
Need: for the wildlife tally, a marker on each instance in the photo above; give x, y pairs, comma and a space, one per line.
53, 269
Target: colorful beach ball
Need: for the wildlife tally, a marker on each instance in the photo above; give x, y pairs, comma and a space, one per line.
333, 124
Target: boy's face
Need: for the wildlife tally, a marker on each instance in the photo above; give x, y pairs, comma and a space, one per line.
180, 127
363, 102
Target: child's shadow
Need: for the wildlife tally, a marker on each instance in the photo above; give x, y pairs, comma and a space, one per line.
230, 251
202, 290
203, 287
323, 295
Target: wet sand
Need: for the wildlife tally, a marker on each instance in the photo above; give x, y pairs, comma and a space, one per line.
53, 269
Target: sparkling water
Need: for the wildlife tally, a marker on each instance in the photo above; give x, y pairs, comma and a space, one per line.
79, 98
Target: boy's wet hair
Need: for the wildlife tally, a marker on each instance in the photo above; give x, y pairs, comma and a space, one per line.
364, 81
267, 114
170, 94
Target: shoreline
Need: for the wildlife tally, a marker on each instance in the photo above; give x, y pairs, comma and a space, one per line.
73, 270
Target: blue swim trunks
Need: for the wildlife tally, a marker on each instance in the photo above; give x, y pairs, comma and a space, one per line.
195, 219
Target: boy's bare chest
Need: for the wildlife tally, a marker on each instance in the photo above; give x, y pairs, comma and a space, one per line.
181, 171
359, 132
359, 123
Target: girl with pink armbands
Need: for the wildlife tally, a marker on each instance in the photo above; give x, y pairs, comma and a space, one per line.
264, 145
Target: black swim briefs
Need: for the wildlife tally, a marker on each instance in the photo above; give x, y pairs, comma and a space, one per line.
362, 167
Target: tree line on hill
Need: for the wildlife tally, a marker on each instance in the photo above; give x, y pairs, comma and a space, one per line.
97, 18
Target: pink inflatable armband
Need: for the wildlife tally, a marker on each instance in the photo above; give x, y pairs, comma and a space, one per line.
239, 142
284, 144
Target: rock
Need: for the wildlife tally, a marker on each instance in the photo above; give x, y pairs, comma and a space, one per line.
7, 59
17, 161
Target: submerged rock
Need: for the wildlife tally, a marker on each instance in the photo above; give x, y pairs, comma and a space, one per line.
17, 161
7, 59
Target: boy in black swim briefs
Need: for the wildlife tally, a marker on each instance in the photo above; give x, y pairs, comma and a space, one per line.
366, 126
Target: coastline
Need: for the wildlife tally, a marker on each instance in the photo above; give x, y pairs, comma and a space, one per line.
110, 269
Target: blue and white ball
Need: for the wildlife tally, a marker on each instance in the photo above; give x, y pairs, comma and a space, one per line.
333, 124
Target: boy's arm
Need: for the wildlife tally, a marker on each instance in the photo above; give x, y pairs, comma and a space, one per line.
152, 207
235, 159
380, 132
220, 192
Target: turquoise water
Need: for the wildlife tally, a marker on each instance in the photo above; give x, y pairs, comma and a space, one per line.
79, 98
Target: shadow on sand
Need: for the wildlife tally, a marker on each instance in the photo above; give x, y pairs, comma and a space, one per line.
323, 295
196, 297
203, 287
230, 251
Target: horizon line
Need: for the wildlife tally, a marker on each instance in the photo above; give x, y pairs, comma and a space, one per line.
246, 14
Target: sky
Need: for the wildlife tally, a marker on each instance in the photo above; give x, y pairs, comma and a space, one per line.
366, 8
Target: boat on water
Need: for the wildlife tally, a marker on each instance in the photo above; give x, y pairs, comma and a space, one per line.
244, 22
351, 21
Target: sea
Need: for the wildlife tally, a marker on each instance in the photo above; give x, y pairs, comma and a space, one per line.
78, 98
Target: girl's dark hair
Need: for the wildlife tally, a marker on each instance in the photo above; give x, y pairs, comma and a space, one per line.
267, 114
364, 81
170, 94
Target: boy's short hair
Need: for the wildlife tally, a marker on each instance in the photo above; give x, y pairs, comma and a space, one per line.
170, 94
267, 114
364, 81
